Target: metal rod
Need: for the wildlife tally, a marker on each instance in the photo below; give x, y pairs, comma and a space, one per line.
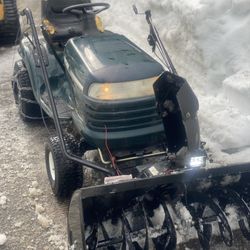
159, 43
131, 158
52, 47
27, 12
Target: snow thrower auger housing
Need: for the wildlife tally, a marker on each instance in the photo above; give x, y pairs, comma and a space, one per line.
108, 96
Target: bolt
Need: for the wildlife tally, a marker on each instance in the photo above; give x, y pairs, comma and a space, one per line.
188, 115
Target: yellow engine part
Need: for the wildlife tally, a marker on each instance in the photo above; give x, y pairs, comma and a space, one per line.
1, 10
50, 28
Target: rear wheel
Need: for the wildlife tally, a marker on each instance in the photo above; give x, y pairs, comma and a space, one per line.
10, 26
28, 107
65, 176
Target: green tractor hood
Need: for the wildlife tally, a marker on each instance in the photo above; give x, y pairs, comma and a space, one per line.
108, 57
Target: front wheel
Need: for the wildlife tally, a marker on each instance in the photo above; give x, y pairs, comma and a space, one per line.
65, 176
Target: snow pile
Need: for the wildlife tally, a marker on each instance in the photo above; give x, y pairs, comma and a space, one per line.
229, 179
44, 221
232, 216
3, 200
39, 209
34, 192
58, 242
209, 42
183, 223
18, 224
3, 239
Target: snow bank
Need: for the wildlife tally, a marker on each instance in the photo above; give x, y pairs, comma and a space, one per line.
237, 89
209, 42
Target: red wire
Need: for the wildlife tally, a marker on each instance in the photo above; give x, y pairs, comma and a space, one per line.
112, 158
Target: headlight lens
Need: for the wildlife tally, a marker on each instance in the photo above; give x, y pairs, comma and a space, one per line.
198, 161
122, 90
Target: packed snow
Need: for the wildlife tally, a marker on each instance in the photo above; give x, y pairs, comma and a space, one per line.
44, 221
209, 42
183, 223
3, 200
3, 239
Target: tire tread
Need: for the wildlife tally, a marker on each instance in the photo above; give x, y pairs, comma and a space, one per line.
69, 174
28, 107
10, 27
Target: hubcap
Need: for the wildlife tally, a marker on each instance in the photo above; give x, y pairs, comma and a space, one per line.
52, 167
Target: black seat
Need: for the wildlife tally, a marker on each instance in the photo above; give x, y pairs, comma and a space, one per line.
66, 25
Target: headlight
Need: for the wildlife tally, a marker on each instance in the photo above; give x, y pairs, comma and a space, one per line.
122, 90
198, 161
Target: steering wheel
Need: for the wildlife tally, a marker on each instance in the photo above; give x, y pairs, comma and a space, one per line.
88, 8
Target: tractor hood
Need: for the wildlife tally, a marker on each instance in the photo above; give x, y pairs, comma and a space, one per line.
108, 57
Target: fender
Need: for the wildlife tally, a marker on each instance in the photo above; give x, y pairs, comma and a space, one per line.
56, 75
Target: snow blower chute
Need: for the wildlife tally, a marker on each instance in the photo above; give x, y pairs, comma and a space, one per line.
107, 96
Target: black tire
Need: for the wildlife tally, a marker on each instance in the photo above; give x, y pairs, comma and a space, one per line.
67, 175
10, 27
28, 107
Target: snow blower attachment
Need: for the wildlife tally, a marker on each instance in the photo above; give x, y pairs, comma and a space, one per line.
147, 141
140, 214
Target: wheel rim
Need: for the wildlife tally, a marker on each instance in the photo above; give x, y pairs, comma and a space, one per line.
52, 167
19, 97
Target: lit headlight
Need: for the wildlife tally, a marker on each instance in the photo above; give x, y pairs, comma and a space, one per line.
122, 90
198, 161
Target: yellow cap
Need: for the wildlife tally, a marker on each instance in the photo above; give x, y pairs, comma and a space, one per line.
49, 27
1, 11
99, 24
